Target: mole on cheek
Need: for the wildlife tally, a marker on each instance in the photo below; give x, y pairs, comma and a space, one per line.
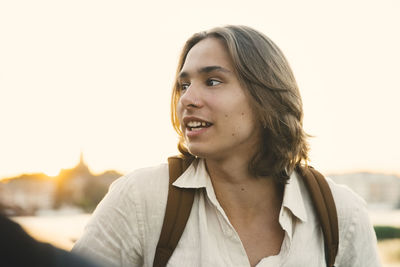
233, 134
242, 113
226, 115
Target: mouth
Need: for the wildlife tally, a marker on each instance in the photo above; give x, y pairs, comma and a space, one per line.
195, 124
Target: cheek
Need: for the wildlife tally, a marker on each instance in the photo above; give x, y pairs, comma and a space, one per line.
237, 122
246, 121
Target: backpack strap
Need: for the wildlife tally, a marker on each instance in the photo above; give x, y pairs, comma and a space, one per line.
325, 207
179, 205
180, 201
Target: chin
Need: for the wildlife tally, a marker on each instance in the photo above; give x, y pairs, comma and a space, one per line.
198, 151
203, 151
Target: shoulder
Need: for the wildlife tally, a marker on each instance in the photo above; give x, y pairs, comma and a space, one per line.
125, 221
351, 208
346, 200
142, 182
144, 191
357, 239
143, 176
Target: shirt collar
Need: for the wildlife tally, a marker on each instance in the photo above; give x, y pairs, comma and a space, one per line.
293, 199
196, 176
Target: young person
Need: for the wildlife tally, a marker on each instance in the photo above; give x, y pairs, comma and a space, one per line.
238, 111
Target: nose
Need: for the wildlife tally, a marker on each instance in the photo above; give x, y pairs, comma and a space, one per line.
191, 98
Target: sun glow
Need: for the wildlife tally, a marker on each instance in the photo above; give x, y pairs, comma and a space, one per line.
86, 85
52, 171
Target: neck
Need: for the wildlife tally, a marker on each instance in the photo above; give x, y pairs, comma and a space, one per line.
239, 191
233, 170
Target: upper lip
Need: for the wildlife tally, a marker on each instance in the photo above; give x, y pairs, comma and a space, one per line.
187, 119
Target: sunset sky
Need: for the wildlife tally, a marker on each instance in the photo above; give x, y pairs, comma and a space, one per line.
96, 76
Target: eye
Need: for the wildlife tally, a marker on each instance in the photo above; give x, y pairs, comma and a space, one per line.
212, 82
184, 86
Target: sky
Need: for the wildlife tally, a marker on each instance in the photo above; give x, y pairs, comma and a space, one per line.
96, 76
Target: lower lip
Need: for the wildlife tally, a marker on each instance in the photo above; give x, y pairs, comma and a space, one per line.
196, 132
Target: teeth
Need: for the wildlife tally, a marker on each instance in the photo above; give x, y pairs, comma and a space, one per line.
195, 129
197, 124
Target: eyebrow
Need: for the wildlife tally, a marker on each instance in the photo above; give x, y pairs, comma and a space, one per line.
206, 69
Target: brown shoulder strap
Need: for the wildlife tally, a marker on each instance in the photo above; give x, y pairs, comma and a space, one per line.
180, 201
179, 205
325, 207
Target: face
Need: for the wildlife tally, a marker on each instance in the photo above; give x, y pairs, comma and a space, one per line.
213, 110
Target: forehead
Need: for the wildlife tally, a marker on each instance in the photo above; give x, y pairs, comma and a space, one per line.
207, 52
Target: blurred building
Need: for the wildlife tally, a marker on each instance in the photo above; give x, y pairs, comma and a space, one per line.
25, 194
71, 183
378, 190
78, 187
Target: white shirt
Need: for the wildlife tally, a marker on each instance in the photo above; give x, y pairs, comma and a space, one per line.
126, 225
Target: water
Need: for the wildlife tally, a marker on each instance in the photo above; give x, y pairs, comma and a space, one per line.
61, 230
385, 217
